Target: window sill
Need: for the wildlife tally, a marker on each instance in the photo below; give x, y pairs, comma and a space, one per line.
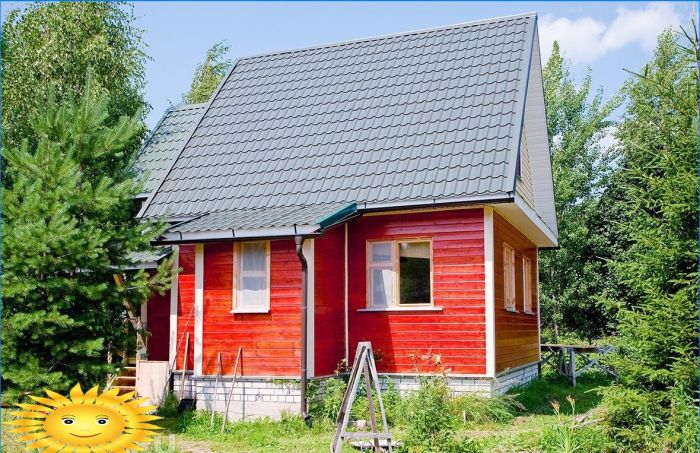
402, 309
251, 311
527, 312
512, 310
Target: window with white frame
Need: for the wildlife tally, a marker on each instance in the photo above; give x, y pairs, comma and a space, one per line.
527, 285
508, 277
251, 276
399, 273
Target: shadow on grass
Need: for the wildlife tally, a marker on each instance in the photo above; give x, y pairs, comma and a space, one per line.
537, 396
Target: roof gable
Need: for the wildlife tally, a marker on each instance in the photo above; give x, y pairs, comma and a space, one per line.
428, 116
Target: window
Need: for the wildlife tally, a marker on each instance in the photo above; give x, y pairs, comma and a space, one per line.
252, 277
509, 277
399, 273
527, 285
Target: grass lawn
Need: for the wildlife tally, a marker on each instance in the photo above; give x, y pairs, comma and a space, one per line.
521, 431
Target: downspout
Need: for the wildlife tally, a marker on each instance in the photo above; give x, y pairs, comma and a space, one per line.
299, 241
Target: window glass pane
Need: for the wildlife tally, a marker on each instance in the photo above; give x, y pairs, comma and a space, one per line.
382, 288
252, 292
253, 256
381, 252
414, 272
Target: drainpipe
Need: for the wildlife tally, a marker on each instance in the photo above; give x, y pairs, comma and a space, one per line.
299, 241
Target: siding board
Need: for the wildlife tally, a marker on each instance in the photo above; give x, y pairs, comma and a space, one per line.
457, 333
271, 341
329, 303
517, 333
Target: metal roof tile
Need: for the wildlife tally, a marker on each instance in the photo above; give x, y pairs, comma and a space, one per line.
423, 115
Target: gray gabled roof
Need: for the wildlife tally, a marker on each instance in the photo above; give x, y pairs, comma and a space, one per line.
163, 145
431, 116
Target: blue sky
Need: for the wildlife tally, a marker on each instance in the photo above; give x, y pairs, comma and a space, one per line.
605, 36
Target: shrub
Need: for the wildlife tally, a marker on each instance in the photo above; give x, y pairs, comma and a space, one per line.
647, 421
325, 398
430, 422
168, 408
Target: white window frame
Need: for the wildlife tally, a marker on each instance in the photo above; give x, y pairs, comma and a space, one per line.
237, 254
509, 278
396, 278
527, 285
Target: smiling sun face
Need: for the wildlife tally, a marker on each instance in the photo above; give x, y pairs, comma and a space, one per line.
87, 421
84, 425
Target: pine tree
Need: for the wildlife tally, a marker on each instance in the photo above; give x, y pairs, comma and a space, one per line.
655, 405
68, 225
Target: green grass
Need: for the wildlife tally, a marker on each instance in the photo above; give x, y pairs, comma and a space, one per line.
522, 421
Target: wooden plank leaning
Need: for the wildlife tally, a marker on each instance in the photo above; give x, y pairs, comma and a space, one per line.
230, 391
216, 388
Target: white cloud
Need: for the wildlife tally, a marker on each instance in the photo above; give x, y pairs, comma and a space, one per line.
586, 39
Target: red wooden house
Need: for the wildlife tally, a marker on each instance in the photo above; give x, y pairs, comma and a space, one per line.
393, 189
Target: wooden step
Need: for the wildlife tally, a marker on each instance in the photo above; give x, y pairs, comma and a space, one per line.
128, 371
124, 389
125, 381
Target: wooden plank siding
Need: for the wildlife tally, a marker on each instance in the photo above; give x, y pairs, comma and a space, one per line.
517, 333
158, 325
457, 333
329, 303
185, 304
271, 341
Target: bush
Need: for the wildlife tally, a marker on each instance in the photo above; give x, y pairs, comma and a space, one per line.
646, 421
430, 422
326, 398
168, 408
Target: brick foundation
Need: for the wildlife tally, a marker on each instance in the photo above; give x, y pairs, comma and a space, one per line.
269, 397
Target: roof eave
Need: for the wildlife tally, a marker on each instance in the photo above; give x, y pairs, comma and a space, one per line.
185, 237
407, 204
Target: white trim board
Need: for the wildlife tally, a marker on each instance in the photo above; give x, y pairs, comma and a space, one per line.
173, 306
198, 306
308, 250
489, 293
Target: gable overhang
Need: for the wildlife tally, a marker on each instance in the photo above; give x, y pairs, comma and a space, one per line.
519, 214
514, 160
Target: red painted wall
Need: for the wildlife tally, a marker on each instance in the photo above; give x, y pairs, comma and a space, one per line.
329, 304
455, 334
185, 314
271, 341
158, 324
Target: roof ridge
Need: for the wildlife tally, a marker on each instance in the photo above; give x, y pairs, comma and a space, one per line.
390, 35
185, 106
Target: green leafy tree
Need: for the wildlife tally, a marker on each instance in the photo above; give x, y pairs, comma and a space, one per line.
54, 44
68, 226
209, 74
572, 276
654, 408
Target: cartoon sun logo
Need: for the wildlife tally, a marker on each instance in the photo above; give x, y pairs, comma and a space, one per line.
86, 422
